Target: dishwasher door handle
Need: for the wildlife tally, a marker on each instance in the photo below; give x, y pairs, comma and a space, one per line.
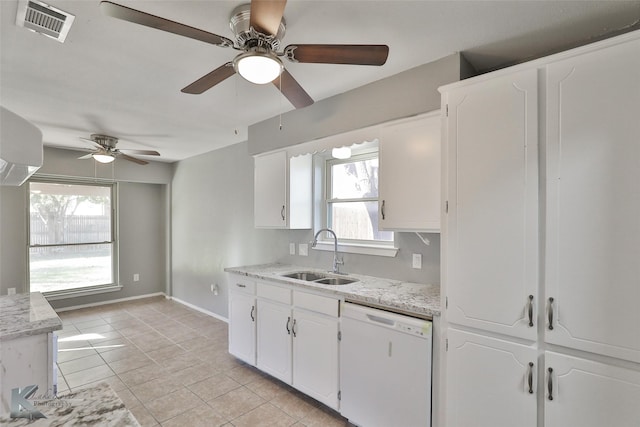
382, 320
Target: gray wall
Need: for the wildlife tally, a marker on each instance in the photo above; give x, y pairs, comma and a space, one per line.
143, 225
402, 95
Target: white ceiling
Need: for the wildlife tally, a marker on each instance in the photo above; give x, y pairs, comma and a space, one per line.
124, 80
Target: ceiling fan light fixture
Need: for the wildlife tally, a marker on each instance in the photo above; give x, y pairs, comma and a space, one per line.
258, 67
103, 158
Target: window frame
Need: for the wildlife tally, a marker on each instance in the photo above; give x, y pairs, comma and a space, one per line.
85, 290
359, 246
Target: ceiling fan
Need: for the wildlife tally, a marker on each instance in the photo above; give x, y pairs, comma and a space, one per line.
258, 28
106, 151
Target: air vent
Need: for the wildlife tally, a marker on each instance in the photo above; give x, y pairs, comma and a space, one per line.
44, 19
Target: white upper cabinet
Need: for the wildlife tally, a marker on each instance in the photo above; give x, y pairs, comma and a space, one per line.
491, 241
282, 191
593, 202
409, 181
589, 394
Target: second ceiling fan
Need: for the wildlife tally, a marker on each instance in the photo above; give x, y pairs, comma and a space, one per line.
258, 28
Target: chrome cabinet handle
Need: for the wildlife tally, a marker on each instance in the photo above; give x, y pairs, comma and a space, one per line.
530, 310
240, 285
550, 384
530, 378
551, 313
287, 326
382, 210
293, 328
282, 212
253, 309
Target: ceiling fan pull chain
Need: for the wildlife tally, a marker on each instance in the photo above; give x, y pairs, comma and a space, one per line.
280, 103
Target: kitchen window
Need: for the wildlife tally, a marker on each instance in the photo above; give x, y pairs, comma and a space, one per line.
72, 241
351, 201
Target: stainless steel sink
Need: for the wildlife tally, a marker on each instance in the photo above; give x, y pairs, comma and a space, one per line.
312, 276
309, 276
334, 281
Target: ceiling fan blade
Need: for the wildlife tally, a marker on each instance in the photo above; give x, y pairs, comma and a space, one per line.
210, 80
141, 152
86, 156
131, 159
137, 17
292, 90
266, 15
375, 54
92, 142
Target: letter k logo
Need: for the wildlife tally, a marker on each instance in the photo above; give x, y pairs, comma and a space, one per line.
19, 399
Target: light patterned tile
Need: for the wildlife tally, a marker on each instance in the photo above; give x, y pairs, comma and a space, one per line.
81, 364
142, 375
173, 404
155, 388
268, 388
324, 417
131, 363
143, 416
213, 387
264, 415
294, 404
200, 416
87, 376
128, 398
236, 403
245, 374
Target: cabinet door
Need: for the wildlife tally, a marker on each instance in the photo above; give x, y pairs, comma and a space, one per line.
491, 239
409, 182
590, 394
242, 329
274, 339
593, 201
488, 382
270, 185
315, 356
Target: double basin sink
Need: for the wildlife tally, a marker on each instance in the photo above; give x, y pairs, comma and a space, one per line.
323, 279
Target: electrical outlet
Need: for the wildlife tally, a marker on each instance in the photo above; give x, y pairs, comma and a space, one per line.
11, 291
292, 248
214, 288
136, 277
303, 249
417, 261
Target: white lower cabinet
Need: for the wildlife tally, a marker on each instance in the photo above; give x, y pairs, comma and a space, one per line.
242, 319
585, 393
492, 382
296, 337
315, 356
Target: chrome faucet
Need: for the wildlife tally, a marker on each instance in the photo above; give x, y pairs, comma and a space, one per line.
336, 261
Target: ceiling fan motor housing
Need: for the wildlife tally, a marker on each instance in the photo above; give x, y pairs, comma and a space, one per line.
247, 37
108, 142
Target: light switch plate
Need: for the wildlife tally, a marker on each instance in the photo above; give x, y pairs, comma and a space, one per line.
417, 261
303, 249
292, 248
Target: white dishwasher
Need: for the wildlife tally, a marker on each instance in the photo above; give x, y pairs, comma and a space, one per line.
385, 368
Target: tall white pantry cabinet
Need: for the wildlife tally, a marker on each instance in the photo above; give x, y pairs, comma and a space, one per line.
541, 242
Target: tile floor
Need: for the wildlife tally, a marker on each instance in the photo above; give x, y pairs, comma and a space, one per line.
170, 366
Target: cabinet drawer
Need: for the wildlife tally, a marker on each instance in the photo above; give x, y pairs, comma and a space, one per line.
275, 293
320, 304
242, 284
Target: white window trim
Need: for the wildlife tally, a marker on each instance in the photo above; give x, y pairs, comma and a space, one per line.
322, 181
88, 290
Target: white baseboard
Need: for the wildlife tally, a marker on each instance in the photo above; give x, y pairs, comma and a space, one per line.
113, 301
201, 310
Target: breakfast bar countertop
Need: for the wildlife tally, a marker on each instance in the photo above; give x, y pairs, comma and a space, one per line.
26, 314
416, 299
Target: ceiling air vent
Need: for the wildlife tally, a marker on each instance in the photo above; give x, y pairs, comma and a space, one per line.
44, 19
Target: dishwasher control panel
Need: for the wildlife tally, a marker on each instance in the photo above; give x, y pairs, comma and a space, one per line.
421, 331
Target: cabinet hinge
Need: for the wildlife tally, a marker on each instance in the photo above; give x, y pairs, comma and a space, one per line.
339, 335
447, 110
446, 344
446, 206
339, 395
446, 302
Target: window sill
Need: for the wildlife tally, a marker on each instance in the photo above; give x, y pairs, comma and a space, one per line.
385, 251
80, 292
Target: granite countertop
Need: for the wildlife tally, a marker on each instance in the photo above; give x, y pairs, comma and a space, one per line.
26, 314
98, 405
420, 300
